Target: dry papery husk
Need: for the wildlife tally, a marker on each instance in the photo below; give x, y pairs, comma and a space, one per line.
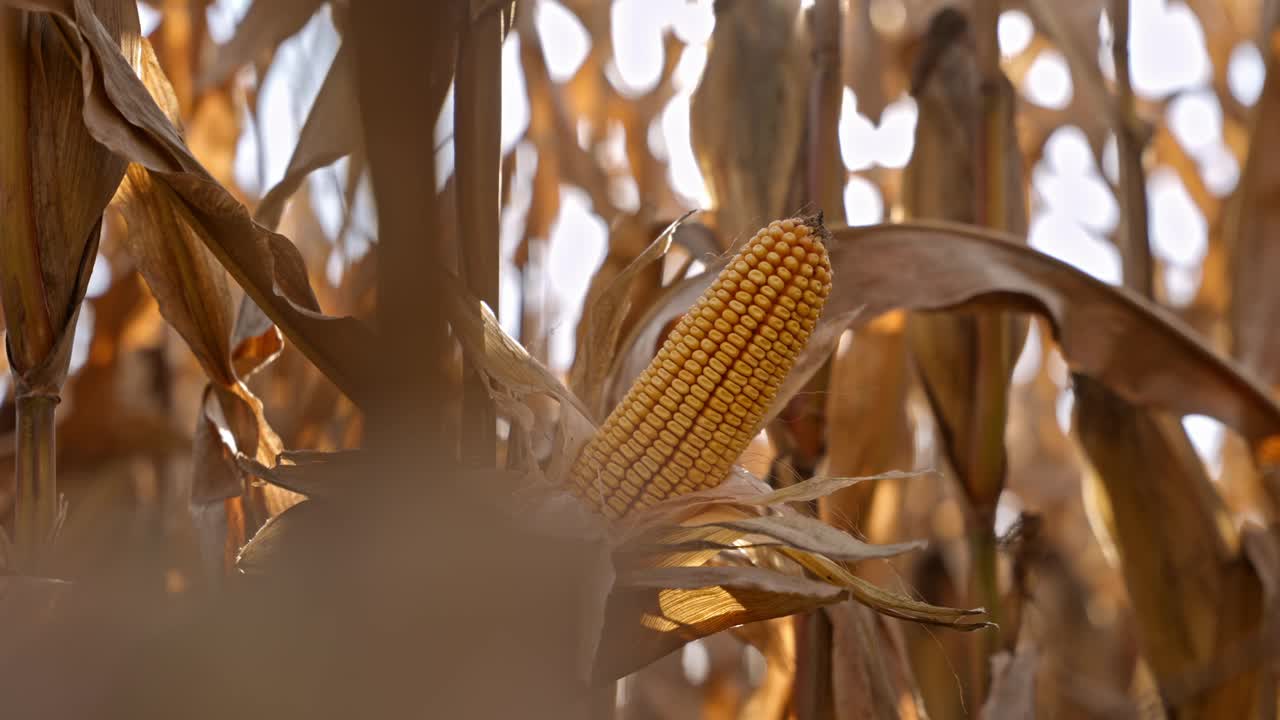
697, 563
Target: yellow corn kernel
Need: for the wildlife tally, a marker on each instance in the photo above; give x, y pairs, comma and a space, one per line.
695, 409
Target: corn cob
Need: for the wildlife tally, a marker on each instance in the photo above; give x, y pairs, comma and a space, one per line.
692, 412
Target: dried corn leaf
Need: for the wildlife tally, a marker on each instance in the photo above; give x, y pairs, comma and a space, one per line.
279, 539
653, 612
194, 295
602, 319
73, 177
266, 24
741, 494
725, 527
804, 533
1013, 686
868, 428
1192, 591
323, 475
58, 180
818, 487
330, 132
255, 340
869, 679
501, 360
121, 115
886, 602
190, 286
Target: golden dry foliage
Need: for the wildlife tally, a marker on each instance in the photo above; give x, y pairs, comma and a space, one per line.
395, 359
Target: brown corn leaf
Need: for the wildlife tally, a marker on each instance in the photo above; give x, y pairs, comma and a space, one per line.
121, 115
602, 318
870, 678
330, 132
1096, 325
805, 533
886, 602
1256, 652
255, 340
1193, 593
232, 424
868, 428
655, 611
747, 115
314, 474
188, 283
58, 180
74, 177
714, 531
818, 487
266, 24
276, 540
194, 296
1013, 686
501, 360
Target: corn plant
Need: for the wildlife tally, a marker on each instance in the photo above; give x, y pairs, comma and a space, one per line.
279, 449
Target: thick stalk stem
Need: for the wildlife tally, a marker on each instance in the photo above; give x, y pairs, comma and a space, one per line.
1135, 248
477, 133
826, 169
30, 336
404, 75
990, 411
37, 491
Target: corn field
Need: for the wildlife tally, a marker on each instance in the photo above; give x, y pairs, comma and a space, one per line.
640, 359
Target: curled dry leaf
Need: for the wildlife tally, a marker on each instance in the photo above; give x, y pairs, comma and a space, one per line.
804, 533
120, 113
189, 285
279, 538
870, 675
690, 531
818, 487
603, 319
1013, 686
194, 296
507, 367
884, 601
1192, 591
330, 132
322, 475
255, 340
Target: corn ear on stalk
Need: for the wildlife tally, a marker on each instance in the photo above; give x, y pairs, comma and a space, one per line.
692, 412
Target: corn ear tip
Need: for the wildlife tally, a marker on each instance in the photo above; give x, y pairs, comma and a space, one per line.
815, 222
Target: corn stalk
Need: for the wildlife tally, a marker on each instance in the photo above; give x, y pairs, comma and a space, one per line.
478, 128
30, 334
